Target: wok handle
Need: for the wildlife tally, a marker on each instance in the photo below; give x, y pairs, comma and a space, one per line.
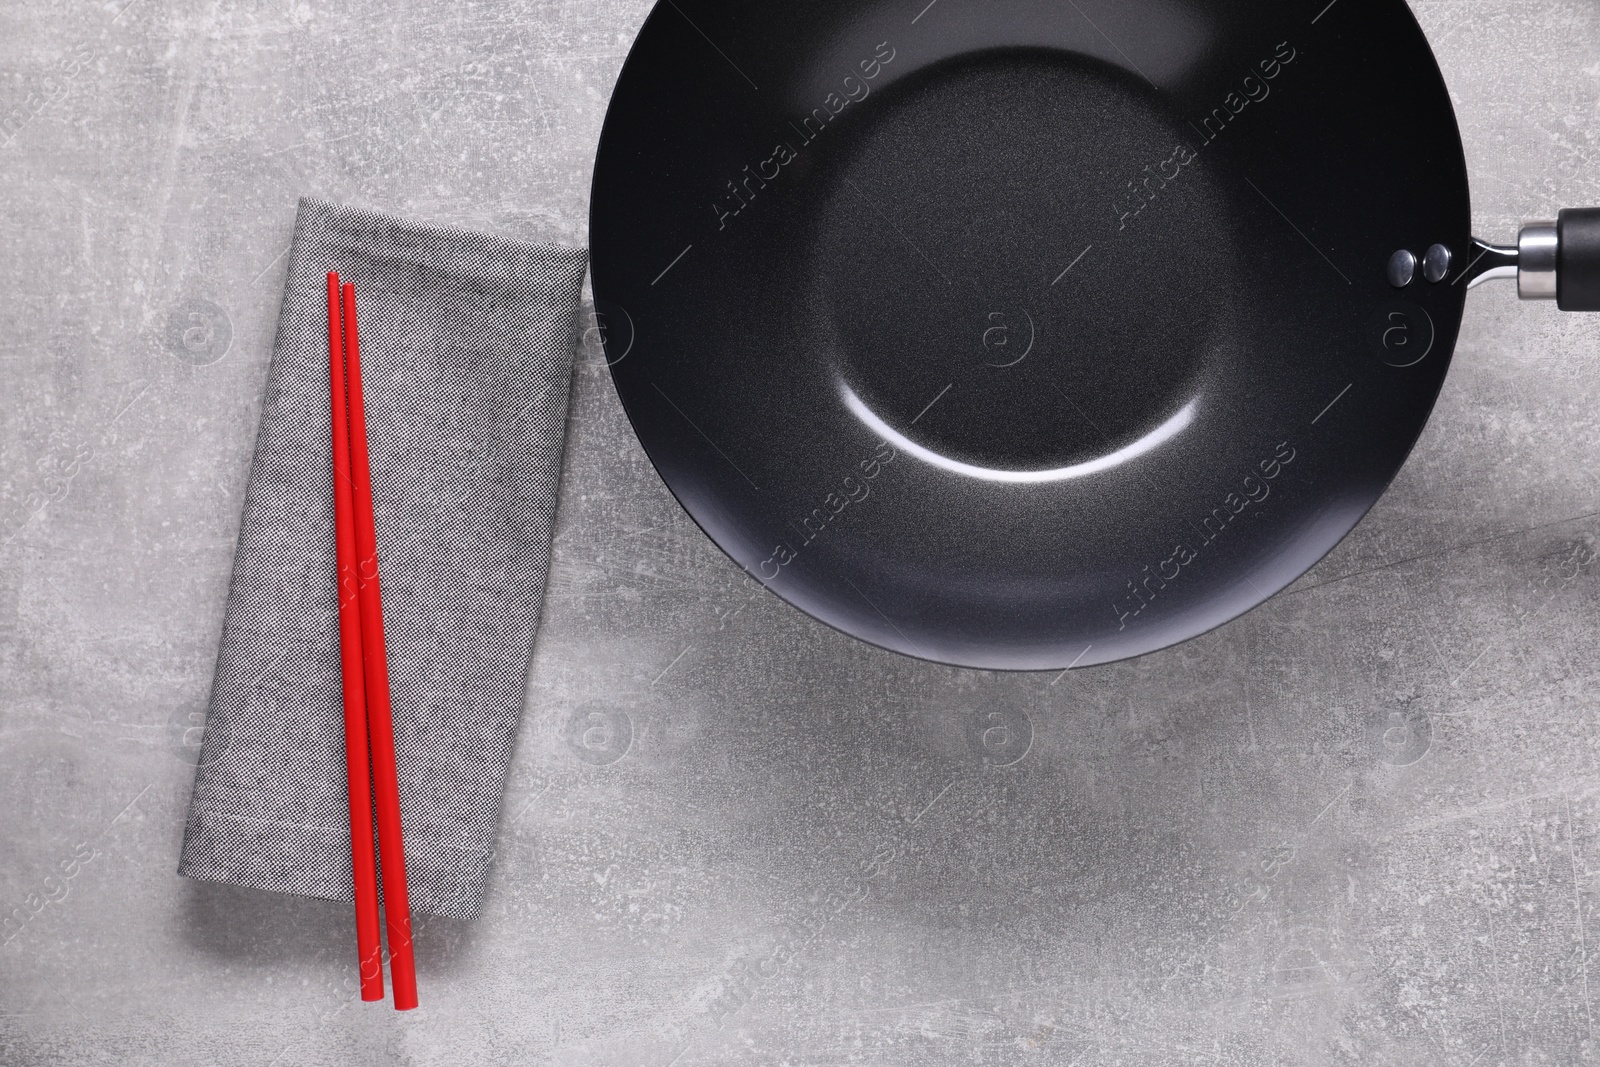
1557, 260
1578, 259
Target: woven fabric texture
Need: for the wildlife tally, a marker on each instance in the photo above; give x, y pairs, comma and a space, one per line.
467, 343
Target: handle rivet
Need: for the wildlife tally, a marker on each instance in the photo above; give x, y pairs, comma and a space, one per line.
1402, 268
1436, 263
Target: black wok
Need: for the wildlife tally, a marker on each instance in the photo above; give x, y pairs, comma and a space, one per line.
1030, 335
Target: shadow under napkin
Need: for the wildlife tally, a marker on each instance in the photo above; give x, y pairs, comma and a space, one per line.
467, 345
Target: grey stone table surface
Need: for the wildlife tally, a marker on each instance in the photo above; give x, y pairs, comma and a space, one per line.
1359, 825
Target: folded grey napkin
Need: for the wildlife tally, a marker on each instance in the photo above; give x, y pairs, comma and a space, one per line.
467, 343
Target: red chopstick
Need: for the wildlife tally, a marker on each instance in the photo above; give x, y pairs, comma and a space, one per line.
363, 861
380, 722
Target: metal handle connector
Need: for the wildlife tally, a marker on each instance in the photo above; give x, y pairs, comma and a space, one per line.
1532, 262
1538, 251
1489, 262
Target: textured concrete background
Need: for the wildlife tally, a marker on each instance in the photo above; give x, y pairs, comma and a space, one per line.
1358, 825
